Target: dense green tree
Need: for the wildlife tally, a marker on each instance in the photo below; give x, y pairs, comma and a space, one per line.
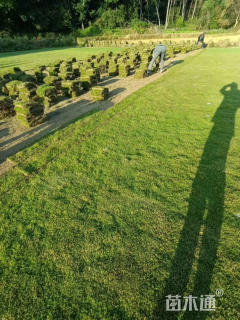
33, 16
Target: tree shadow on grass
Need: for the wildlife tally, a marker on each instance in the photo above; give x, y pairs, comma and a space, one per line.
202, 228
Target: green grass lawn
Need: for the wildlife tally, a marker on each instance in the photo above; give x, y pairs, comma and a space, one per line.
29, 59
106, 217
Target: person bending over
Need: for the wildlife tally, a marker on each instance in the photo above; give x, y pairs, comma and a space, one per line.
201, 39
160, 50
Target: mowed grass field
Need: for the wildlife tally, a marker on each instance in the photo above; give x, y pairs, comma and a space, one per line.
29, 59
106, 217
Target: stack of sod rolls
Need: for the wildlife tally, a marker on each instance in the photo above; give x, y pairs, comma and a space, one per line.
113, 69
12, 87
95, 63
170, 52
88, 77
3, 88
71, 59
115, 59
141, 72
124, 70
103, 65
66, 71
100, 93
17, 76
94, 72
29, 113
76, 69
38, 71
71, 88
177, 49
183, 50
28, 78
27, 91
10, 72
133, 61
6, 107
108, 54
48, 95
146, 57
51, 71
54, 81
89, 58
88, 82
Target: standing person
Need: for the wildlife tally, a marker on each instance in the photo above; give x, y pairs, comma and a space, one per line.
159, 50
201, 39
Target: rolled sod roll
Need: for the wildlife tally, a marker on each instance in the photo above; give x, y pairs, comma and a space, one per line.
6, 107
30, 121
95, 72
38, 73
48, 73
66, 64
75, 93
65, 69
3, 88
102, 68
26, 85
140, 74
71, 88
113, 69
29, 109
46, 91
56, 63
66, 76
48, 103
17, 75
100, 93
48, 94
183, 50
6, 74
53, 81
143, 65
72, 84
12, 87
124, 70
28, 95
70, 60
88, 82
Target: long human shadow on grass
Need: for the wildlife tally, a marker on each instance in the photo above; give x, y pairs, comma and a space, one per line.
201, 231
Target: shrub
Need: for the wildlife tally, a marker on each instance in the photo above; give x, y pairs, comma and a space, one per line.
111, 19
8, 44
180, 23
91, 31
139, 26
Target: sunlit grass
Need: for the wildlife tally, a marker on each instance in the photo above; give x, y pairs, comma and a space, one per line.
96, 232
29, 59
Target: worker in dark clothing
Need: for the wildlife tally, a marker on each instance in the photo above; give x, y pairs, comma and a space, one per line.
201, 39
160, 50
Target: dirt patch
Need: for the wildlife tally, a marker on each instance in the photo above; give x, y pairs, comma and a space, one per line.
14, 136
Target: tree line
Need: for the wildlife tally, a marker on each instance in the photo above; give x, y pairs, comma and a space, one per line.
32, 16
